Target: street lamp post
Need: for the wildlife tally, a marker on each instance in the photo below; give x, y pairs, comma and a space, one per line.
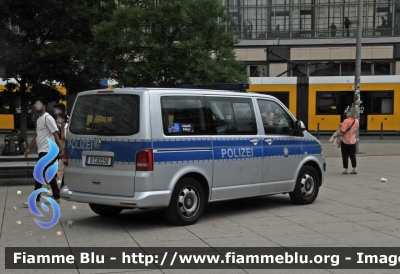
357, 98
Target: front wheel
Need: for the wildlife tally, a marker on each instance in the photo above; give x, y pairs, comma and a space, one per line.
307, 186
105, 210
187, 202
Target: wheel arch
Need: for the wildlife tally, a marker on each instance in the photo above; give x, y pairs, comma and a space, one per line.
317, 169
202, 180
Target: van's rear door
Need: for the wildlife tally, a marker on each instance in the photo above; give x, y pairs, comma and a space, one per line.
102, 141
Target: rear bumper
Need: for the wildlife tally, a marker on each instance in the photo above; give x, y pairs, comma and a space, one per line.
146, 199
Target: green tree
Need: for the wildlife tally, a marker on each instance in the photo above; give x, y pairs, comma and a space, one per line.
167, 43
44, 44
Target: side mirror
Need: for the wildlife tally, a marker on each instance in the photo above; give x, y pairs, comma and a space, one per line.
300, 127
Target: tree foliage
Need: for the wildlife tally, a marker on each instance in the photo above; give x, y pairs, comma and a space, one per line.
167, 43
48, 45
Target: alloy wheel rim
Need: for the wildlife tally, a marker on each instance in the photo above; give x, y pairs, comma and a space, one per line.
307, 184
188, 202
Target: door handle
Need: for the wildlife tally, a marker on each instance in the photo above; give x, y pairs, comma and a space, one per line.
254, 141
268, 141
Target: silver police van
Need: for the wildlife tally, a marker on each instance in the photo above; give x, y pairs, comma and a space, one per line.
178, 149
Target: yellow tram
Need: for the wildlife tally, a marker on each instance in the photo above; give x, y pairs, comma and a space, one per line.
10, 111
321, 102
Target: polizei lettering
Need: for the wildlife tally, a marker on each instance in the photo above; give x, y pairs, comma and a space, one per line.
240, 152
80, 144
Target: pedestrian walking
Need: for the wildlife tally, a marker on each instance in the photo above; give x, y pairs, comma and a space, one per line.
346, 25
45, 128
333, 30
62, 119
348, 145
250, 29
62, 124
245, 30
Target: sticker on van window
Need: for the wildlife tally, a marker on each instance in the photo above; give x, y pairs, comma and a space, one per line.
181, 127
187, 127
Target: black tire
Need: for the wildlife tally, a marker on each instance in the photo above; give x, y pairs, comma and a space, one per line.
187, 202
105, 210
307, 186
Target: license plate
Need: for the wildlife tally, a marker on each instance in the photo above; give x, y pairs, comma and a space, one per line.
98, 161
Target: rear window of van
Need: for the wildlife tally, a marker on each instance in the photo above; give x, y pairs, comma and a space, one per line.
106, 114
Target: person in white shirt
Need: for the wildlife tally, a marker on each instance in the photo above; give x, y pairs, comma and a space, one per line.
45, 128
268, 115
60, 109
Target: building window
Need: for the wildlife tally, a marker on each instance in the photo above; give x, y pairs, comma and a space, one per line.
256, 70
382, 68
348, 68
271, 19
341, 69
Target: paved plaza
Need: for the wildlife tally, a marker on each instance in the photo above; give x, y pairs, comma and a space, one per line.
350, 211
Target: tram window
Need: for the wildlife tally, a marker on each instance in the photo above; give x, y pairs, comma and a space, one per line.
326, 103
382, 103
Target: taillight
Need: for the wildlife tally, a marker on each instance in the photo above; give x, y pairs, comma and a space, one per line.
65, 157
144, 160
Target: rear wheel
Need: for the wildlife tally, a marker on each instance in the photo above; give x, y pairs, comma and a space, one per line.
187, 202
105, 210
307, 186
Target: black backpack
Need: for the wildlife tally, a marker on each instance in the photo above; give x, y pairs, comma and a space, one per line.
11, 145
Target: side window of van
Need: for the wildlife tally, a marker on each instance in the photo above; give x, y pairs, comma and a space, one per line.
231, 116
184, 115
274, 118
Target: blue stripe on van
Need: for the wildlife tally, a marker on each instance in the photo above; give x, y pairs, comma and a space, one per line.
183, 156
124, 151
278, 150
310, 142
312, 149
285, 142
311, 146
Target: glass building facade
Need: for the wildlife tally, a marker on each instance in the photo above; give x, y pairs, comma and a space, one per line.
270, 19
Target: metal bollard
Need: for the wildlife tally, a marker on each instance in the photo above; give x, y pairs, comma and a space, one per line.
381, 131
318, 131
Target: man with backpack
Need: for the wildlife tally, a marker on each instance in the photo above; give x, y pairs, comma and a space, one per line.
14, 144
